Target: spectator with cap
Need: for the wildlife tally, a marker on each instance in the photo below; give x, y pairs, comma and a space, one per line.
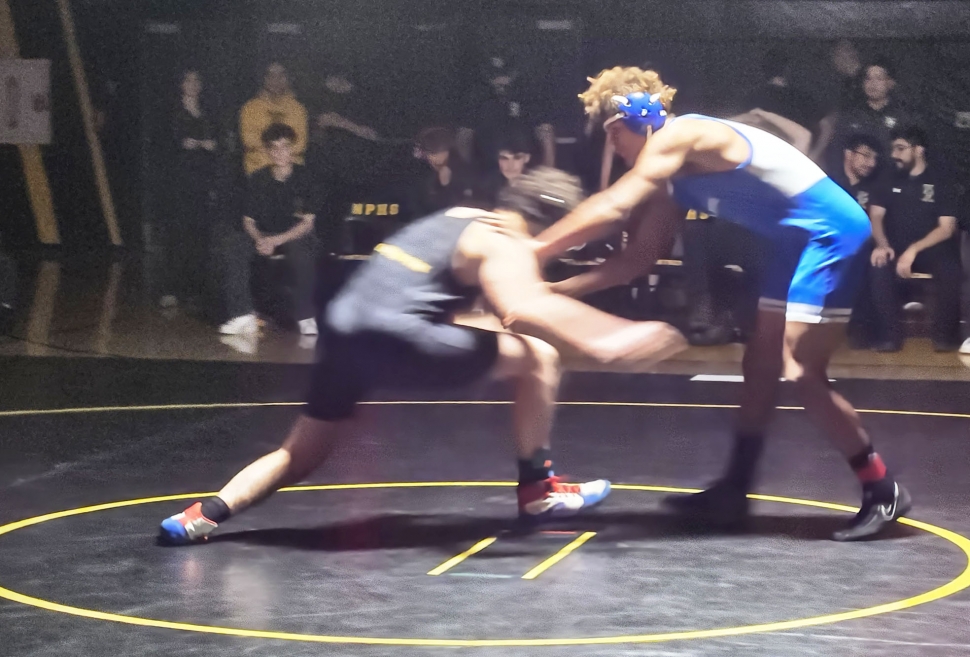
914, 228
274, 104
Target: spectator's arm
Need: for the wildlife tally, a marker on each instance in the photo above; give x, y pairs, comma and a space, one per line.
946, 228
826, 131
877, 217
797, 135
944, 231
249, 225
299, 231
334, 120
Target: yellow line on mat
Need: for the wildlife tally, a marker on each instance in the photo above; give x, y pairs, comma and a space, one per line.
558, 556
458, 558
232, 405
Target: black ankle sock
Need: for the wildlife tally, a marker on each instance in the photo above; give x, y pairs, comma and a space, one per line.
883, 490
537, 468
745, 456
215, 510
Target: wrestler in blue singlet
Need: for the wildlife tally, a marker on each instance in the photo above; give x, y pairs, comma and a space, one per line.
815, 228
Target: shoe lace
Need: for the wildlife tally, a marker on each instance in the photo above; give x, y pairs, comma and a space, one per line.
559, 485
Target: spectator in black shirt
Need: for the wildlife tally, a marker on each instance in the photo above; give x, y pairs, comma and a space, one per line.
914, 227
280, 210
857, 177
878, 116
185, 231
859, 161
500, 108
447, 182
514, 155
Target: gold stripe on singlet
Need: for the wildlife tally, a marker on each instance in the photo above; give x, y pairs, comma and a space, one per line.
401, 257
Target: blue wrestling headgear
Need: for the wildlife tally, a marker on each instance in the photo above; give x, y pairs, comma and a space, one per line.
640, 111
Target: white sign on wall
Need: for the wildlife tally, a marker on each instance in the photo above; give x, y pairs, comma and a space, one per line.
25, 114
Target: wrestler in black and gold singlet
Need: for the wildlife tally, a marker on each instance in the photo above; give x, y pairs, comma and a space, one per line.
389, 327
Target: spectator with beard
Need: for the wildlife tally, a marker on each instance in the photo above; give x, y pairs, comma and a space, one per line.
914, 227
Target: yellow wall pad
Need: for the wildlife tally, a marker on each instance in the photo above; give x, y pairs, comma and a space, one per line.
87, 115
957, 584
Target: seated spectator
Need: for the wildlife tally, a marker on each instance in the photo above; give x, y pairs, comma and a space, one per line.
278, 223
859, 161
447, 182
857, 176
499, 107
275, 103
914, 227
514, 155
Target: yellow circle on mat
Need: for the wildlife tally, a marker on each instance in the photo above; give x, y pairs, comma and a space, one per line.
960, 583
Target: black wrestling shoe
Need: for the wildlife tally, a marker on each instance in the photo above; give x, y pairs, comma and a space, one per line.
723, 506
875, 515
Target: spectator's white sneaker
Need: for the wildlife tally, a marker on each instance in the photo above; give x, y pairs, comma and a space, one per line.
965, 348
308, 326
243, 325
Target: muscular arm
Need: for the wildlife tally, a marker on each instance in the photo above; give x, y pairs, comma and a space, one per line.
512, 284
652, 239
663, 156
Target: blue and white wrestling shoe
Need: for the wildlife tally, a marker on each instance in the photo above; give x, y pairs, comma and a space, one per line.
553, 498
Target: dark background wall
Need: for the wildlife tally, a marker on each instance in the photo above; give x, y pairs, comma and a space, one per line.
416, 62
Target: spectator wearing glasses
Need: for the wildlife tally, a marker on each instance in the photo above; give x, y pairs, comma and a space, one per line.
915, 227
857, 176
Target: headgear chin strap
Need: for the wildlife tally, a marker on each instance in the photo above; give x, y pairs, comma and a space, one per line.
640, 111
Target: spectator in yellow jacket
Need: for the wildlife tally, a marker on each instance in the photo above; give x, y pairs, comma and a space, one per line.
275, 103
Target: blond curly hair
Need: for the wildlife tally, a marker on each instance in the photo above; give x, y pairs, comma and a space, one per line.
621, 81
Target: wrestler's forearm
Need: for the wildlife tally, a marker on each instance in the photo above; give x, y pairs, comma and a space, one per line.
594, 218
613, 272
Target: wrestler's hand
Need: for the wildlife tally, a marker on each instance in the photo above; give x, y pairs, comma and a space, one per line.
904, 266
881, 255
